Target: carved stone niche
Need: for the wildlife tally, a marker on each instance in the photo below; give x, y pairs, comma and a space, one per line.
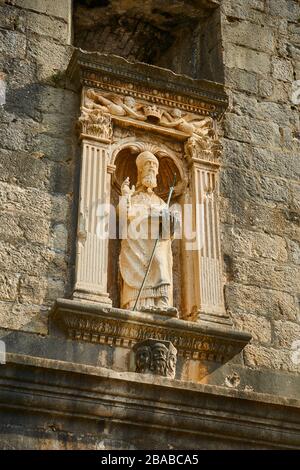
128, 109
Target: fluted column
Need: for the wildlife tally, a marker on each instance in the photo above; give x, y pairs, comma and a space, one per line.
206, 297
93, 214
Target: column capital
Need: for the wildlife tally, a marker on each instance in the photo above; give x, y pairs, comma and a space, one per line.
203, 150
95, 125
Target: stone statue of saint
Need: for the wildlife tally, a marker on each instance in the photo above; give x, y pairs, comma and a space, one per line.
145, 211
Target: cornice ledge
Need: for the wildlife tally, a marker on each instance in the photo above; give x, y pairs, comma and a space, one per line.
96, 323
86, 68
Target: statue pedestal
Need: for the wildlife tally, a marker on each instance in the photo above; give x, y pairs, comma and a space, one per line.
167, 312
104, 325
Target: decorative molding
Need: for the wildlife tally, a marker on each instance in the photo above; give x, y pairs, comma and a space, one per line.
115, 74
155, 357
96, 323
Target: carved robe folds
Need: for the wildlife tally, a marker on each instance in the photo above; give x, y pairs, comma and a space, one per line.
136, 249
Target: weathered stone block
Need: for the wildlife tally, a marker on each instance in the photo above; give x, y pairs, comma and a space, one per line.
295, 189
294, 251
237, 128
250, 35
58, 149
236, 184
8, 286
242, 80
281, 221
286, 333
249, 244
55, 125
238, 9
274, 189
30, 202
277, 113
266, 88
294, 32
9, 227
288, 9
58, 264
24, 169
244, 129
262, 357
22, 74
55, 289
267, 274
12, 18
15, 316
265, 134
35, 230
282, 69
237, 154
60, 207
271, 162
260, 301
59, 237
48, 26
49, 7
244, 105
26, 258
247, 59
17, 133
258, 327
12, 43
51, 59
56, 101
32, 289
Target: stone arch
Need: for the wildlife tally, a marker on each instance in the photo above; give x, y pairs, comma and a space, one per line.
169, 164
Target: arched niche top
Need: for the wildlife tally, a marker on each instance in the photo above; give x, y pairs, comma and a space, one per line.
123, 158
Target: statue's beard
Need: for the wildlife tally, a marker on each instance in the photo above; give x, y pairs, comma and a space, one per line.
149, 180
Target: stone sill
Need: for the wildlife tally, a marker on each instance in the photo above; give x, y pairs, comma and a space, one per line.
68, 390
103, 373
96, 323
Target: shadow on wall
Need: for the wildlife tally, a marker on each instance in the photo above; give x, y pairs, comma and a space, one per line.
172, 34
40, 167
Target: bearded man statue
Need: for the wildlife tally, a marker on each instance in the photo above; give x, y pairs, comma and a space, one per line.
147, 217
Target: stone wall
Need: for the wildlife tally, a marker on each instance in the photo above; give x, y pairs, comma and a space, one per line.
37, 160
260, 177
260, 201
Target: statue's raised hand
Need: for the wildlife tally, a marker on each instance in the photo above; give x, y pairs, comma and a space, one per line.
125, 188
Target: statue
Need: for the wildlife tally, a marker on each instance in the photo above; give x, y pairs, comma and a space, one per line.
145, 210
188, 123
112, 104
